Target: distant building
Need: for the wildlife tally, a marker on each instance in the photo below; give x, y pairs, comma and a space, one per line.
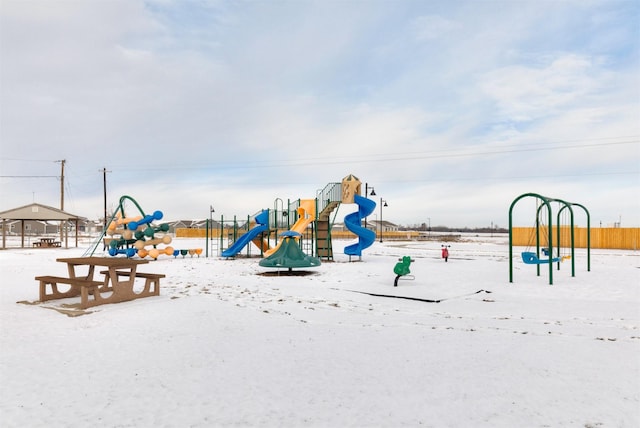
190, 224
373, 225
382, 226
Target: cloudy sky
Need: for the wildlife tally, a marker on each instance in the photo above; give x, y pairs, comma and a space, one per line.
449, 109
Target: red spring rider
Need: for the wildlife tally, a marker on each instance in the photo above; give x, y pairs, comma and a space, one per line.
445, 252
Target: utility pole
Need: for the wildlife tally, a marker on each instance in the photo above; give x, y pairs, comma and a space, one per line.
62, 200
62, 162
104, 218
104, 185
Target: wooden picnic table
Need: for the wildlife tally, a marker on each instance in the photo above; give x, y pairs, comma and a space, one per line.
116, 283
47, 243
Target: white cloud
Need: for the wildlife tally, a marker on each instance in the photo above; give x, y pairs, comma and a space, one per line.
527, 93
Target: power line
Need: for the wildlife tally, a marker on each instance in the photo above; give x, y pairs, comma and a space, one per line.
29, 176
376, 158
382, 157
26, 160
515, 177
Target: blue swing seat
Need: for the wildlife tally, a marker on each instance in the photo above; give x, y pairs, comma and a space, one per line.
530, 258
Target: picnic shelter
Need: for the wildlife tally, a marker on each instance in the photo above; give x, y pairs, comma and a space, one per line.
37, 212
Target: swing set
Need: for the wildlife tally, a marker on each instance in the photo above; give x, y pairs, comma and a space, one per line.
540, 232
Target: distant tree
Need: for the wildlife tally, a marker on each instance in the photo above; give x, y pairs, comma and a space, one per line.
423, 227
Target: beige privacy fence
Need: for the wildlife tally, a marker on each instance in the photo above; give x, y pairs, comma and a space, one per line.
607, 237
611, 238
342, 234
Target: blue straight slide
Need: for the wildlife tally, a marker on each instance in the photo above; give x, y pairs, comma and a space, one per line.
353, 220
261, 219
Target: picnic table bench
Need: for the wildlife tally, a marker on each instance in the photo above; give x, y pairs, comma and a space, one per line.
47, 243
151, 283
78, 286
116, 285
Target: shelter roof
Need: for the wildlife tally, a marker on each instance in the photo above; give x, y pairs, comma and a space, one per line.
37, 212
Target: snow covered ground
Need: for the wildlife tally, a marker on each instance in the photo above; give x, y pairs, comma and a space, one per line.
226, 346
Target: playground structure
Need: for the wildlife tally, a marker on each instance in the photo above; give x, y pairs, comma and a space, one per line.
353, 222
254, 234
191, 251
135, 235
310, 220
289, 255
306, 214
544, 235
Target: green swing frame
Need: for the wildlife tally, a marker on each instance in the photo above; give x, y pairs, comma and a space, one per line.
534, 258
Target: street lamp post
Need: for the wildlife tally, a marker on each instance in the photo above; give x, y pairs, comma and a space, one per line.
382, 202
210, 228
366, 195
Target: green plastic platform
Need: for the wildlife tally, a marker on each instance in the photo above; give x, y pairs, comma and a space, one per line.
290, 256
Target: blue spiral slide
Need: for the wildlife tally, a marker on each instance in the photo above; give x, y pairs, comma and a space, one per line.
261, 219
353, 220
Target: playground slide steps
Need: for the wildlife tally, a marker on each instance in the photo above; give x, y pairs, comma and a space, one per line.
327, 210
323, 238
324, 245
